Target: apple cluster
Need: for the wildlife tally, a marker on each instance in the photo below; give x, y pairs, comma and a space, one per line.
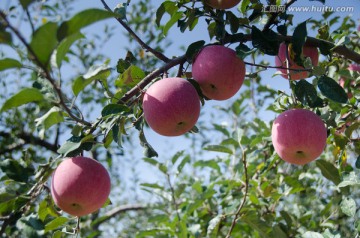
171, 107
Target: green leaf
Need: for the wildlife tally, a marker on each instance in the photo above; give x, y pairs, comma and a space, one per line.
332, 90
26, 3
16, 171
306, 93
255, 222
81, 20
193, 50
24, 96
157, 164
44, 42
350, 180
64, 47
266, 41
348, 206
120, 9
329, 171
218, 148
75, 145
166, 6
174, 18
54, 116
311, 234
298, 40
233, 20
148, 149
56, 223
111, 109
242, 51
130, 77
213, 228
9, 63
5, 37
100, 72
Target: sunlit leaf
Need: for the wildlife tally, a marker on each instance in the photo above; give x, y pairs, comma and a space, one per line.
24, 96
9, 63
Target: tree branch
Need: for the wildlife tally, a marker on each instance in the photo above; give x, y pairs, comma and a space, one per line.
28, 139
157, 54
118, 210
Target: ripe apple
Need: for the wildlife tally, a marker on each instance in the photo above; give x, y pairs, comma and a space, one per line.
171, 106
298, 136
222, 4
80, 186
354, 67
280, 61
219, 72
342, 82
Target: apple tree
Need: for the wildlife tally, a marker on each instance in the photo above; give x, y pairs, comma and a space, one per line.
256, 104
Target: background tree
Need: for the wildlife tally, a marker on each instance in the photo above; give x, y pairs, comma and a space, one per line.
63, 96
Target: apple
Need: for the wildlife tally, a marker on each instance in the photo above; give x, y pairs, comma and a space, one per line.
222, 4
298, 136
171, 106
280, 61
342, 82
80, 186
354, 67
219, 72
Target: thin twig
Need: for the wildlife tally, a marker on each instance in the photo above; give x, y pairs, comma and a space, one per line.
237, 214
145, 46
173, 197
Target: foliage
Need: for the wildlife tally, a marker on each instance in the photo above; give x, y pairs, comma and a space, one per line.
62, 96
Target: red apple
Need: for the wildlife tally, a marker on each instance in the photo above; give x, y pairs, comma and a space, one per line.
80, 186
298, 136
219, 72
280, 61
354, 67
171, 106
222, 4
342, 84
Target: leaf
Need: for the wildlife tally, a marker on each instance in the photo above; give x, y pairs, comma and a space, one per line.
157, 164
111, 109
24, 96
242, 51
311, 234
328, 234
148, 149
9, 63
56, 223
44, 42
193, 49
64, 47
26, 3
306, 93
266, 41
75, 145
54, 116
348, 206
332, 90
16, 171
81, 20
120, 9
254, 221
329, 171
166, 6
350, 180
174, 18
213, 228
218, 148
298, 40
130, 77
100, 72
